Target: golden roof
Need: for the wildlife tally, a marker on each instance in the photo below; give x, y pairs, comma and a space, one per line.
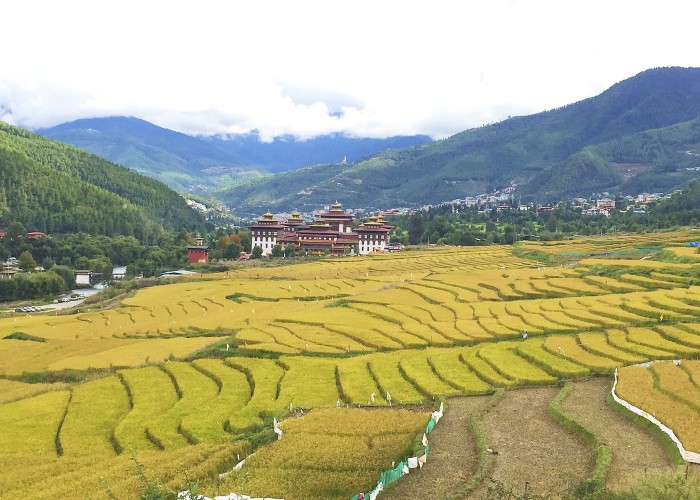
373, 221
267, 217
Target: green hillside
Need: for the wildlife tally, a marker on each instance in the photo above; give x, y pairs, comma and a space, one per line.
182, 162
573, 150
51, 187
654, 160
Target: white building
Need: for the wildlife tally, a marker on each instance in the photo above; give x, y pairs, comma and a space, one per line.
264, 233
373, 236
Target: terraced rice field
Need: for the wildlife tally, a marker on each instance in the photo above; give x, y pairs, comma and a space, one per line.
669, 392
328, 454
385, 331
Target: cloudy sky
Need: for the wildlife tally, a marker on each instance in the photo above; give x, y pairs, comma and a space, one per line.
369, 68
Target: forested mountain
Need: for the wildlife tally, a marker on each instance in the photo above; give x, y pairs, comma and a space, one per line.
639, 135
182, 162
198, 164
52, 187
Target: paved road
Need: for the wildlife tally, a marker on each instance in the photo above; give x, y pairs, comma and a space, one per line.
47, 307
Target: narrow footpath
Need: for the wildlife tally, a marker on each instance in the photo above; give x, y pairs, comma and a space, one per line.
452, 459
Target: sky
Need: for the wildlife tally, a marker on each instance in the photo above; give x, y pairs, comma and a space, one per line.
366, 68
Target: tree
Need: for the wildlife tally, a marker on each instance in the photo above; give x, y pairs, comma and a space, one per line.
184, 238
277, 251
416, 228
82, 262
257, 252
26, 261
509, 235
8, 290
289, 250
15, 233
102, 266
233, 251
66, 273
246, 240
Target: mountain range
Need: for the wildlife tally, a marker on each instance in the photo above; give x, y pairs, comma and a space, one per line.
642, 134
200, 164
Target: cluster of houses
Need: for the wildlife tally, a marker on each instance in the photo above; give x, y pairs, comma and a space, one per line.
502, 200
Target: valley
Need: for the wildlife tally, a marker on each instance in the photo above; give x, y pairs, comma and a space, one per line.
193, 373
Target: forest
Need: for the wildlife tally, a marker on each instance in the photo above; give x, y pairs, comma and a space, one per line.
55, 188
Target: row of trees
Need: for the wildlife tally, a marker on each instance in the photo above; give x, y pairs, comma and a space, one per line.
32, 285
62, 254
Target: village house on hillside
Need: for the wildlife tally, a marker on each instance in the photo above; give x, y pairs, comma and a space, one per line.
330, 232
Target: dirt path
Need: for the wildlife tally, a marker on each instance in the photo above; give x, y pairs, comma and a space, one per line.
534, 451
452, 459
634, 450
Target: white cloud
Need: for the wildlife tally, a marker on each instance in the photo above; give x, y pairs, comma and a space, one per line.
305, 68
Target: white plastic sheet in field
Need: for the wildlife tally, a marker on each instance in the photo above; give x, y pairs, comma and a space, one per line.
437, 415
186, 495
688, 456
276, 428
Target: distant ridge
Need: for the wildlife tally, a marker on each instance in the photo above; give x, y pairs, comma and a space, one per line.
199, 164
287, 153
642, 134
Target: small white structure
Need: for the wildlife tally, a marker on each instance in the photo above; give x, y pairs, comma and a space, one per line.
175, 274
83, 277
119, 273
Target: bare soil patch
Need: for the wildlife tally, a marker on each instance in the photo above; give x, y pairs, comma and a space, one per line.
534, 451
629, 170
634, 450
452, 459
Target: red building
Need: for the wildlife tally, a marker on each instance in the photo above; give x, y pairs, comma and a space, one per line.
199, 253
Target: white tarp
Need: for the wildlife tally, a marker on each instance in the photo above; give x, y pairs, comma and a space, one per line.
185, 495
276, 428
437, 415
